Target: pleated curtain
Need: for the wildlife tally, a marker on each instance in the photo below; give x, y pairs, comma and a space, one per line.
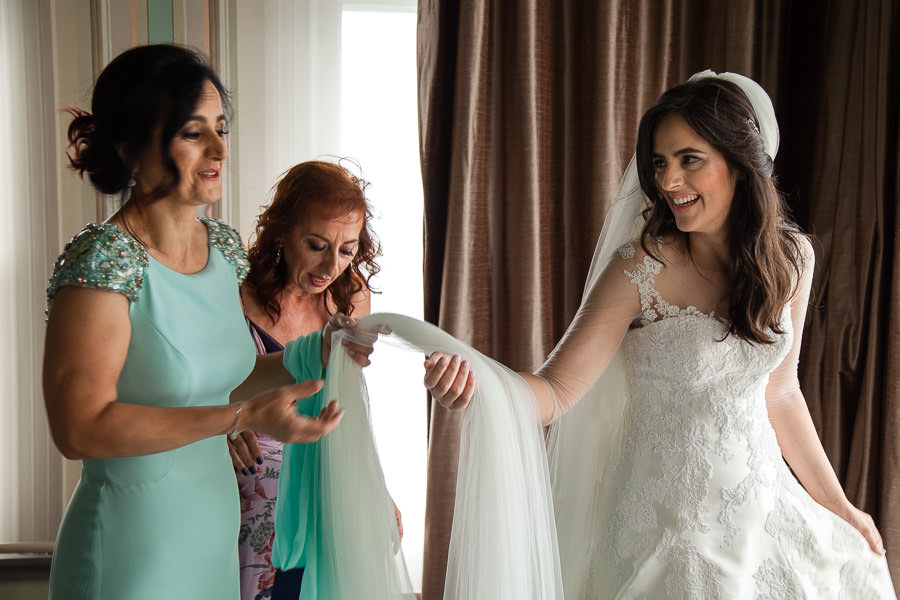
528, 115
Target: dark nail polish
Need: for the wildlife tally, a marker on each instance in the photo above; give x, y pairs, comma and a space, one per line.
244, 471
259, 460
253, 470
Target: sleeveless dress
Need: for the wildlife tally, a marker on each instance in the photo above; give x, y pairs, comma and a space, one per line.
163, 525
700, 503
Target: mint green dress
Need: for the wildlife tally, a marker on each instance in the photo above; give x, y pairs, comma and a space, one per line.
163, 525
297, 513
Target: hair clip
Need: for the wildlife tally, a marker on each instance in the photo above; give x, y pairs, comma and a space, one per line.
753, 125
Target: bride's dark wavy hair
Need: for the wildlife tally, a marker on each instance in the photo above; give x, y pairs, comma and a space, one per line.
764, 242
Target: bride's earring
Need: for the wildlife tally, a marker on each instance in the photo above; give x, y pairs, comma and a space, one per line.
277, 258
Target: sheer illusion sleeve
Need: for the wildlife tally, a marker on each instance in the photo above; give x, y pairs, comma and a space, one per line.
591, 340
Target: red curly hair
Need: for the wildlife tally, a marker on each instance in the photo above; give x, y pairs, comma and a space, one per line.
314, 187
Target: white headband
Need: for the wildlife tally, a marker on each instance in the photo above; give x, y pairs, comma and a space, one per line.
762, 106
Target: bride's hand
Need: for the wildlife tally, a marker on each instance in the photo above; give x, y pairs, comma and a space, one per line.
866, 526
449, 380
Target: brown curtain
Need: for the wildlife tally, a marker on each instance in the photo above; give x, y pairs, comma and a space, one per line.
528, 116
840, 112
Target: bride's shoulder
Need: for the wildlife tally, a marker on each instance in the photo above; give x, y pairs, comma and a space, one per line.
802, 248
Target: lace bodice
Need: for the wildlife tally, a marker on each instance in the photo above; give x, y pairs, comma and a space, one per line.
700, 496
689, 348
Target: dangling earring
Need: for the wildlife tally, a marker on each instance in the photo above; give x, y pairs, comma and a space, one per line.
131, 181
277, 255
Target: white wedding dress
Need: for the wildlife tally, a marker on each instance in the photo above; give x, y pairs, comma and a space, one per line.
696, 503
699, 502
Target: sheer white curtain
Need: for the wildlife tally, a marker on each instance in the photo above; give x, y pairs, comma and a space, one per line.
30, 497
318, 78
284, 71
379, 123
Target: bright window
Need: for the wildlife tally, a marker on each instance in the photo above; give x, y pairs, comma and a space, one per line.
321, 79
379, 128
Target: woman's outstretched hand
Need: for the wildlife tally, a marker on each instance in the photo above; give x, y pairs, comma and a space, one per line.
866, 526
274, 413
450, 380
359, 342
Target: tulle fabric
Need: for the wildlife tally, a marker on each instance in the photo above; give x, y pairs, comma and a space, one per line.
503, 539
358, 551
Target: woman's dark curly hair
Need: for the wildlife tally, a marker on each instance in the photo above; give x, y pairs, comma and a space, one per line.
143, 90
765, 244
325, 189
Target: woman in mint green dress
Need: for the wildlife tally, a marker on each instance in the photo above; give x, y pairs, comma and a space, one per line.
146, 343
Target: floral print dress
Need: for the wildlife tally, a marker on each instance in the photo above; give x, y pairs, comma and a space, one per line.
258, 491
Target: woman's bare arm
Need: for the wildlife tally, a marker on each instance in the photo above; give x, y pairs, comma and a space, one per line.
88, 333
794, 428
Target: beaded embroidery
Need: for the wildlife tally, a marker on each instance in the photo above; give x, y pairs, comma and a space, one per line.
103, 256
227, 240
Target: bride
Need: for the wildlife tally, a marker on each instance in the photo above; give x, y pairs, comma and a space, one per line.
674, 396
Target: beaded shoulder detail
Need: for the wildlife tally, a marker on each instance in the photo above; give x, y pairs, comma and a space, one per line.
100, 256
228, 241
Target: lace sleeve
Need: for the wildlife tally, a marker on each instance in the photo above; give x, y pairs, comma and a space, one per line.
592, 338
101, 257
228, 241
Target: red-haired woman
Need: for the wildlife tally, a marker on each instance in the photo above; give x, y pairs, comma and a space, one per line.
312, 257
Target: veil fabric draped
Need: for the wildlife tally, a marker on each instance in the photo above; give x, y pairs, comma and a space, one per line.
584, 441
503, 541
356, 539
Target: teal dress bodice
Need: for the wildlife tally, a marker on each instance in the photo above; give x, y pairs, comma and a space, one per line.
163, 525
